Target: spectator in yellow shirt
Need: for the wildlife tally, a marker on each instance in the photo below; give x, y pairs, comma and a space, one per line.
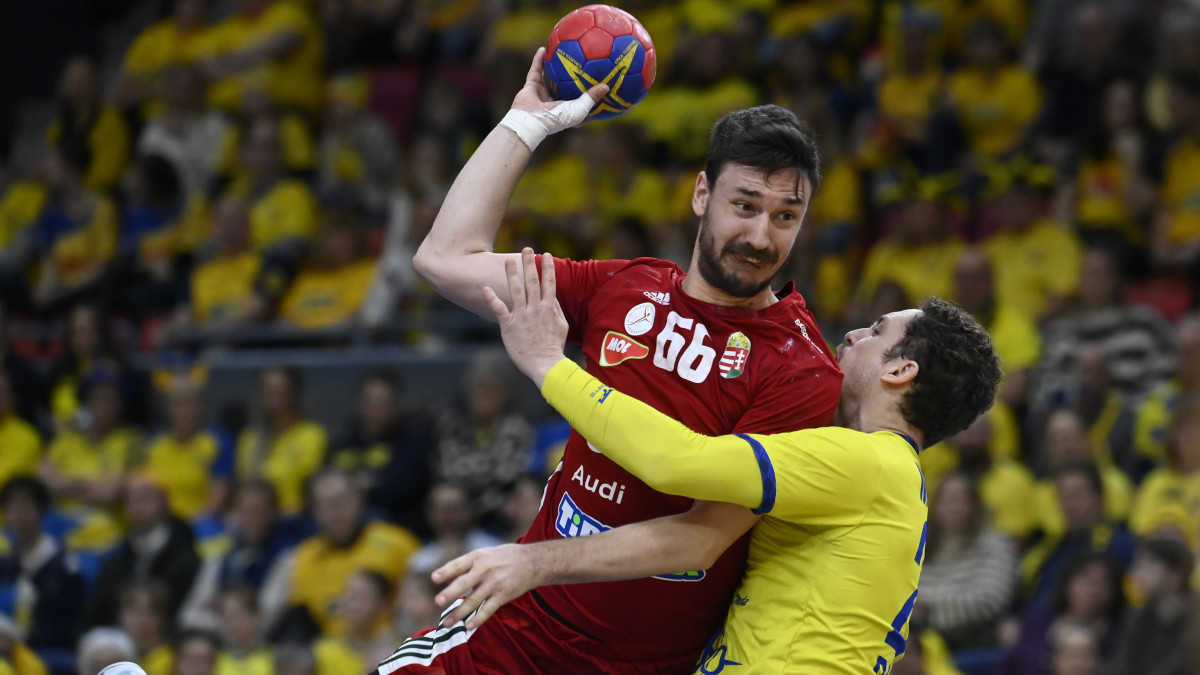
920, 255
85, 127
297, 142
1155, 413
283, 447
1015, 335
994, 98
196, 653
345, 543
245, 653
87, 347
86, 468
275, 40
142, 614
193, 464
1037, 262
224, 286
167, 43
20, 207
366, 609
1175, 241
76, 235
357, 151
283, 211
1067, 444
331, 292
910, 93
21, 442
1176, 484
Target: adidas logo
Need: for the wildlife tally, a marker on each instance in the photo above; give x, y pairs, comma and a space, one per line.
660, 298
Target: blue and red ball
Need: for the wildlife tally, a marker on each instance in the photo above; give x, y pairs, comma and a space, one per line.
600, 44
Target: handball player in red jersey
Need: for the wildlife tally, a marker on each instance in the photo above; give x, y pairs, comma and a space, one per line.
716, 348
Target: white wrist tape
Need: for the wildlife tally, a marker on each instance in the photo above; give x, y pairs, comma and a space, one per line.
533, 127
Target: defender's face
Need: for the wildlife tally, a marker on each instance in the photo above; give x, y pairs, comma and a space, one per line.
748, 224
861, 353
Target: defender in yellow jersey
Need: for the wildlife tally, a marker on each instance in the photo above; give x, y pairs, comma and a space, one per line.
834, 561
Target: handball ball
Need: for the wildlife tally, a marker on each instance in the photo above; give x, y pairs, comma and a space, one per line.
123, 668
600, 44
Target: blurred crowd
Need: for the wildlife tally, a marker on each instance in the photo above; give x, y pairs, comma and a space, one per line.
260, 165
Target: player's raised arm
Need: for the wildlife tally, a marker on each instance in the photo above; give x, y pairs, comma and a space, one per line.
664, 453
456, 257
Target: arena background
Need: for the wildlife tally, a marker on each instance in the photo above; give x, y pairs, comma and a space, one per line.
208, 210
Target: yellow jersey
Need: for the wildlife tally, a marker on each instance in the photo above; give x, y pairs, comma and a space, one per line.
1180, 192
1118, 499
74, 253
832, 572
186, 468
1036, 265
1154, 421
322, 568
109, 142
323, 298
922, 271
995, 111
1162, 490
75, 456
258, 662
224, 286
287, 460
22, 448
288, 210
19, 209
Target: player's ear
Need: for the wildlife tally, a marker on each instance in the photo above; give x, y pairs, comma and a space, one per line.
900, 371
700, 195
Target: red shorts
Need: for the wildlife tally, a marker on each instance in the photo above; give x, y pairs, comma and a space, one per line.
519, 638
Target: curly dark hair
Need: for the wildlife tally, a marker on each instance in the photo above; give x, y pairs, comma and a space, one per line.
958, 370
766, 137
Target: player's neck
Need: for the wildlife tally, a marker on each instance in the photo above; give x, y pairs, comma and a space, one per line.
869, 416
697, 288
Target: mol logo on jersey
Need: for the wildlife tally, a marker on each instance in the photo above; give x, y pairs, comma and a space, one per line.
737, 351
573, 522
618, 348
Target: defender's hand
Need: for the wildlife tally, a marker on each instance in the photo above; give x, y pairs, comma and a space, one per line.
535, 330
486, 579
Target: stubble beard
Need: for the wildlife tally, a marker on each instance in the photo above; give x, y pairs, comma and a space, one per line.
709, 263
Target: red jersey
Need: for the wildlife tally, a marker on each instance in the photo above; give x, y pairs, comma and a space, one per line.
717, 369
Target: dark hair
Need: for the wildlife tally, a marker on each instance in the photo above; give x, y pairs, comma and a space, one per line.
293, 376
975, 524
164, 189
260, 485
385, 376
958, 370
381, 583
29, 487
246, 594
1172, 554
766, 137
189, 634
1086, 469
1073, 568
155, 589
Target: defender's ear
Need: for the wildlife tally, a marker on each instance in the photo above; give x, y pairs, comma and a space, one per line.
700, 195
902, 371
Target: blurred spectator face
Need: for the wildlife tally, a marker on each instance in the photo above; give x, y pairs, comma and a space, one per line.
262, 153
239, 621
1091, 367
416, 606
1095, 35
23, 517
84, 332
1120, 106
710, 59
973, 281
339, 245
190, 13
985, 45
1100, 281
254, 512
1075, 650
972, 442
184, 405
1187, 353
1185, 440
430, 158
361, 604
953, 507
522, 504
888, 298
337, 506
1082, 504
915, 46
1089, 592
1151, 576
6, 398
104, 404
488, 399
449, 511
1183, 106
79, 85
442, 108
145, 506
183, 88
278, 399
196, 656
232, 222
142, 618
1066, 439
922, 221
253, 7
378, 405
1018, 207
799, 61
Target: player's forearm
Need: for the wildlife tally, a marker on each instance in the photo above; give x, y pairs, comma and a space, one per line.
471, 213
664, 453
